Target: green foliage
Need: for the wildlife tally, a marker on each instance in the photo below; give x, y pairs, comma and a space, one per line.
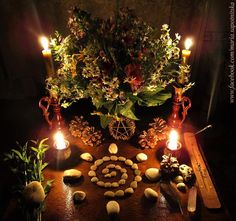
27, 161
117, 63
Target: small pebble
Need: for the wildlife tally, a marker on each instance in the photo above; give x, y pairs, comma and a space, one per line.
119, 193
98, 162
134, 184
123, 170
114, 158
153, 174
100, 183
122, 159
93, 167
129, 191
138, 178
150, 194
34, 192
141, 157
122, 182
113, 173
135, 166
113, 208
181, 187
137, 172
111, 166
71, 174
106, 158
113, 149
79, 196
129, 162
124, 176
109, 194
107, 175
114, 184
178, 179
94, 179
107, 185
105, 171
87, 157
92, 173
118, 167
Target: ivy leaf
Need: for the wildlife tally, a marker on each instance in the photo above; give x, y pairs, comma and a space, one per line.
105, 120
126, 110
155, 100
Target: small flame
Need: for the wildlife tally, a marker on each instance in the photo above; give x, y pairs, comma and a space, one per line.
60, 142
44, 42
188, 43
173, 140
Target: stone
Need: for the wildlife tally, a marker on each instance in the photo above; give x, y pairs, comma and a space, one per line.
123, 170
93, 167
134, 166
181, 187
113, 173
122, 182
129, 162
138, 178
119, 193
134, 184
129, 191
92, 173
141, 157
124, 176
111, 166
105, 171
107, 175
79, 196
107, 185
106, 158
137, 172
71, 174
34, 192
100, 183
113, 208
98, 162
118, 167
94, 179
114, 158
87, 157
150, 194
113, 149
153, 174
122, 159
178, 179
109, 194
115, 184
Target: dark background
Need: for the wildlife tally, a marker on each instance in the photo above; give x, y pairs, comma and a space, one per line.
22, 70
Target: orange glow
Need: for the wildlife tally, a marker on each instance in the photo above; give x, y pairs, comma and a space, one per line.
188, 43
173, 140
60, 142
44, 42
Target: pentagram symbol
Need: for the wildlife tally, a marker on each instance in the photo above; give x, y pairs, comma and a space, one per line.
122, 129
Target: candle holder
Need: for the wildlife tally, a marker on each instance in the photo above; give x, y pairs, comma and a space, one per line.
62, 154
56, 121
176, 152
176, 118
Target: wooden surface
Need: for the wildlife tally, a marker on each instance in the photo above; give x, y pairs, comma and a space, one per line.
60, 206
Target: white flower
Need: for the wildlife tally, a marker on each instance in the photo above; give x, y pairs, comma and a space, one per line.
178, 37
165, 26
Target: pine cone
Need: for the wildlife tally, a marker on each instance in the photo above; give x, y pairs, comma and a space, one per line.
160, 127
80, 128
169, 165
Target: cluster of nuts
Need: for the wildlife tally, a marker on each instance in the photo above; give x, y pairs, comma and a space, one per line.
157, 132
88, 134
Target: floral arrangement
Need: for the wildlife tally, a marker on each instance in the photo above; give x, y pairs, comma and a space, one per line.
118, 63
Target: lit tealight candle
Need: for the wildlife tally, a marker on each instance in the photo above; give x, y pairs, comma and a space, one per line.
173, 144
61, 145
186, 52
47, 54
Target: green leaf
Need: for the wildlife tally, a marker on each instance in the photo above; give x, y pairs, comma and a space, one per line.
155, 100
105, 120
48, 186
126, 110
18, 154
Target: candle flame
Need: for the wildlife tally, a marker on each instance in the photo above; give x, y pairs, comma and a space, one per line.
60, 142
188, 43
44, 42
173, 140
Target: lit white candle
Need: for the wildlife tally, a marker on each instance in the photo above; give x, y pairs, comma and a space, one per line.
173, 140
186, 52
59, 141
47, 54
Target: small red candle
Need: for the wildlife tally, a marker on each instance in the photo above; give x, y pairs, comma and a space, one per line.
173, 145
